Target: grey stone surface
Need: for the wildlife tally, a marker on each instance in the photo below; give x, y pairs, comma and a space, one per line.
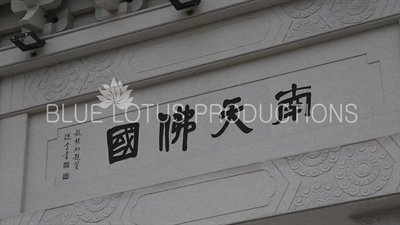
249, 192
359, 170
372, 61
389, 217
13, 139
237, 177
215, 198
269, 27
5, 90
125, 30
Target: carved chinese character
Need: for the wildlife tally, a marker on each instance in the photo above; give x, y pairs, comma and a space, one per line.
292, 103
67, 137
181, 122
66, 165
123, 142
230, 115
65, 176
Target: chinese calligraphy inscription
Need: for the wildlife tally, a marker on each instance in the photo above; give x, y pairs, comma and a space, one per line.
123, 142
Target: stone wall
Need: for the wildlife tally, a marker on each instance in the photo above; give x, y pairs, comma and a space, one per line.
341, 52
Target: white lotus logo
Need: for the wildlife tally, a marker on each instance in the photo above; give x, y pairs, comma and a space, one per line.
117, 94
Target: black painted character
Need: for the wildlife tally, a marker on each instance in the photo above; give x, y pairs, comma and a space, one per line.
123, 142
181, 121
292, 104
230, 114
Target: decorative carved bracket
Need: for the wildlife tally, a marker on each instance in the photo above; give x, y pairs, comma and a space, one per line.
109, 5
32, 14
113, 8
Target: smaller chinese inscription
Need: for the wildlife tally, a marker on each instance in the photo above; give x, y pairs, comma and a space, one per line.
67, 139
71, 153
77, 148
